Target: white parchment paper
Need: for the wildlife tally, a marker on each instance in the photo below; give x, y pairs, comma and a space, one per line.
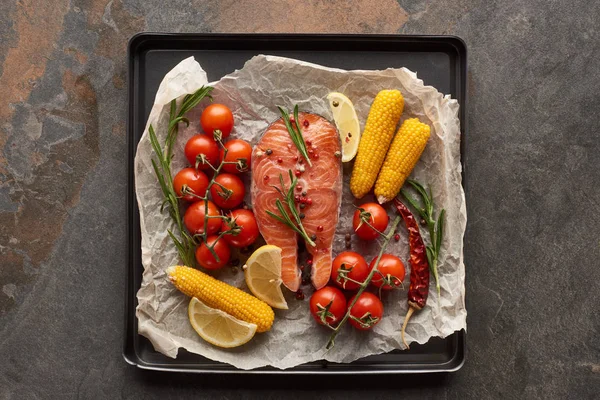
253, 93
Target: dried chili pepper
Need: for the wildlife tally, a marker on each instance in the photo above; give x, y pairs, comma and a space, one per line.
419, 266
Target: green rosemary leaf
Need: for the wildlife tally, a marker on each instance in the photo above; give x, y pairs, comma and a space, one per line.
296, 136
439, 231
172, 110
430, 256
414, 204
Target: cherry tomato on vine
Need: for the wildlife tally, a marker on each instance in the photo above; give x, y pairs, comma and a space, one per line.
194, 218
349, 265
391, 272
202, 144
328, 305
368, 309
205, 257
190, 183
375, 215
243, 221
237, 151
228, 191
217, 117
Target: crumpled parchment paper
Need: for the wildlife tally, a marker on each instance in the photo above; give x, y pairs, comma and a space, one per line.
253, 93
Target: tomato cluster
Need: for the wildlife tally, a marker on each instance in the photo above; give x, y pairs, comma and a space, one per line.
350, 270
225, 224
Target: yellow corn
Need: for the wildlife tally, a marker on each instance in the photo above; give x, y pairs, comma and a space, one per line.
405, 151
380, 127
227, 298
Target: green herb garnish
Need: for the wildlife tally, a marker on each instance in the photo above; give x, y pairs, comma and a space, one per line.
284, 217
186, 243
295, 133
435, 227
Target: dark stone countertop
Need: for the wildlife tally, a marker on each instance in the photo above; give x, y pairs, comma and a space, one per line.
533, 277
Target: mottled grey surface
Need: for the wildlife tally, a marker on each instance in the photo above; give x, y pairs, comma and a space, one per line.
532, 246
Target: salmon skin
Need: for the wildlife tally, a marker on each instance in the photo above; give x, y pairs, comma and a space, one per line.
275, 155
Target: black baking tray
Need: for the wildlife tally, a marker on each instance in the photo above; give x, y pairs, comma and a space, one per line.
440, 61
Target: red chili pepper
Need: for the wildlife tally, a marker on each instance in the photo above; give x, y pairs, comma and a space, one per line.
419, 267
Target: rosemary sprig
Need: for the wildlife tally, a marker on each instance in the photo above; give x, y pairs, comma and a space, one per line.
435, 227
295, 133
162, 168
284, 217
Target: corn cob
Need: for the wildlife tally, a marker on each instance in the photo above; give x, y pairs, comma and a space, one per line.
220, 295
381, 123
405, 151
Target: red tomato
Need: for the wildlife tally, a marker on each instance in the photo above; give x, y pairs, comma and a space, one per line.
205, 257
352, 265
237, 151
202, 144
375, 215
328, 304
217, 117
194, 218
221, 197
190, 180
244, 221
368, 309
391, 271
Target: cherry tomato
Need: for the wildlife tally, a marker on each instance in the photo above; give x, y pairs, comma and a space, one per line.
368, 309
352, 265
237, 151
328, 304
190, 180
244, 221
219, 193
205, 257
391, 271
217, 117
194, 218
375, 215
202, 144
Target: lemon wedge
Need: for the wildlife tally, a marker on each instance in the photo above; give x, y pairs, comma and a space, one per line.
263, 276
217, 327
347, 123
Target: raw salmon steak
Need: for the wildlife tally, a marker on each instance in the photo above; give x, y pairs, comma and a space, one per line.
275, 155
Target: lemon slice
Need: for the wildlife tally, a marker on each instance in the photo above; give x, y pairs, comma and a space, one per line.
347, 123
263, 276
217, 327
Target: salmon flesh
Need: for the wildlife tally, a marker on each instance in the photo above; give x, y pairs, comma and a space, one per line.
275, 155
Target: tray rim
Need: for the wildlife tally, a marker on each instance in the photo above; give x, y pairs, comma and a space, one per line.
129, 351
